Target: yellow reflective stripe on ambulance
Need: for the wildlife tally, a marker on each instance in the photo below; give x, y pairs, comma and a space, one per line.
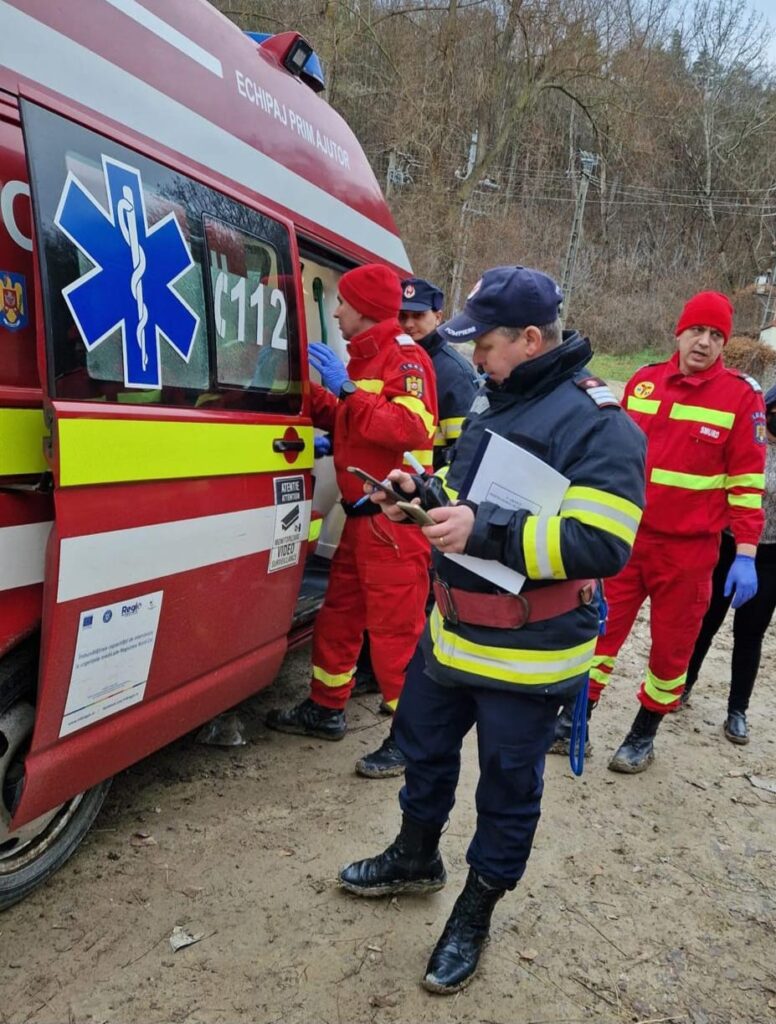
603, 511
441, 475
699, 414
691, 481
21, 442
315, 529
646, 405
662, 690
374, 387
541, 548
508, 664
746, 480
99, 451
745, 500
329, 679
416, 405
451, 427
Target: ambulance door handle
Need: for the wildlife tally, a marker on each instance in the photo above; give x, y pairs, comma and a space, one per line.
283, 444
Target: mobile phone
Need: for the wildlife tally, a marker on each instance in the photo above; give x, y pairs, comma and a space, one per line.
379, 485
416, 513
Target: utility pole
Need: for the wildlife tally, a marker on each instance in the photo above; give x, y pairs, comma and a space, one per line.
589, 164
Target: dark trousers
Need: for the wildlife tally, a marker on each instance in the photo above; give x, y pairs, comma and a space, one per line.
749, 622
514, 732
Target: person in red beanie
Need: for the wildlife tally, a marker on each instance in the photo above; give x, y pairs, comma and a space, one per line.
379, 406
705, 427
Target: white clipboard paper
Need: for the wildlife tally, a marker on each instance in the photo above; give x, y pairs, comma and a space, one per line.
509, 476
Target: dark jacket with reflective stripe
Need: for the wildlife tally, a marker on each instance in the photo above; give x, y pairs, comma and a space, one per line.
552, 407
457, 385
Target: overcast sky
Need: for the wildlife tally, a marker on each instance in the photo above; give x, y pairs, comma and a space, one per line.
768, 8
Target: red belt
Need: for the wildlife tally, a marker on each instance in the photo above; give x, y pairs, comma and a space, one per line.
511, 611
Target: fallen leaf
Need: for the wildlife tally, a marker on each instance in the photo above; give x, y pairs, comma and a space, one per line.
528, 954
142, 839
181, 937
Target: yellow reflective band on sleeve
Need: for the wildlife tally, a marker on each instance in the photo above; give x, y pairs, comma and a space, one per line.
441, 475
557, 569
530, 555
416, 405
646, 405
746, 480
662, 691
315, 530
699, 414
746, 500
603, 511
439, 441
100, 451
329, 679
690, 481
508, 664
451, 427
21, 442
374, 387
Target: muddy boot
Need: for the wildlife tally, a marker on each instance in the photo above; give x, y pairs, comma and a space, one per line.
454, 961
636, 753
384, 763
412, 863
309, 719
736, 728
562, 741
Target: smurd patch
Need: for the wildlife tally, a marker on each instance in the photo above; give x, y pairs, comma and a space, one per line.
13, 301
414, 385
411, 366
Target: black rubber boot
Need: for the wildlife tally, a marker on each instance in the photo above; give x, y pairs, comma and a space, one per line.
636, 753
309, 719
365, 680
412, 863
384, 763
736, 728
562, 741
454, 961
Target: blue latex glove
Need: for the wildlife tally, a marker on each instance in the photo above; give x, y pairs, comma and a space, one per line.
322, 445
329, 365
741, 580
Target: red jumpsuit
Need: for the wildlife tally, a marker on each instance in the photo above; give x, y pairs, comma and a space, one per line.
705, 464
379, 573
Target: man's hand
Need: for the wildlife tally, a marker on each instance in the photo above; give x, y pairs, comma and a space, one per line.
401, 482
322, 445
329, 365
741, 580
454, 524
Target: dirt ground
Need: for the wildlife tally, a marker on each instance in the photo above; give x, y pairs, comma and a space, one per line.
648, 898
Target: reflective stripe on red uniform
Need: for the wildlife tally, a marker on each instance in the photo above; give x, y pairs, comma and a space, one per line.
705, 452
394, 409
378, 581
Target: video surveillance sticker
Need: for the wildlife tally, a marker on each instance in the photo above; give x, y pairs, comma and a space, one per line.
289, 522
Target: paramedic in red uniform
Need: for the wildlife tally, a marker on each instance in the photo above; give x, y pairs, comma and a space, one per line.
705, 469
379, 406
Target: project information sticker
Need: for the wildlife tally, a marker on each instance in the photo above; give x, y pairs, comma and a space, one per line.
289, 520
112, 660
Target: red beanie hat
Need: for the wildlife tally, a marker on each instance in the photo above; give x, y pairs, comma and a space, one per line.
374, 291
707, 309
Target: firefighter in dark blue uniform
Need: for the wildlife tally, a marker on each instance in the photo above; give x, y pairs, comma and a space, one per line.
487, 658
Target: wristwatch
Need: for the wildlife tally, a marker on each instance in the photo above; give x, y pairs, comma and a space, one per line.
348, 388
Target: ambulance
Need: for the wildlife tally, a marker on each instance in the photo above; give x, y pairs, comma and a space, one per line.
177, 204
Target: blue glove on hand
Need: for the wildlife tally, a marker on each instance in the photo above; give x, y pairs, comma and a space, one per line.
329, 365
322, 445
742, 579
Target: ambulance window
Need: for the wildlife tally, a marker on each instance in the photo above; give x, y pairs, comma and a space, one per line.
250, 306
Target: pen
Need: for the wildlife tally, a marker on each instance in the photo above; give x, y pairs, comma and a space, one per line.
412, 461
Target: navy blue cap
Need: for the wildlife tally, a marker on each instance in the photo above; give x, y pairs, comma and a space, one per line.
505, 297
418, 295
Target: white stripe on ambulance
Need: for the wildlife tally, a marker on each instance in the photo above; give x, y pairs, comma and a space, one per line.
98, 562
22, 554
64, 66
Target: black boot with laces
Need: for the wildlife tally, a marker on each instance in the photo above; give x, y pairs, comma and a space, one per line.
561, 743
309, 719
636, 753
454, 961
385, 762
412, 863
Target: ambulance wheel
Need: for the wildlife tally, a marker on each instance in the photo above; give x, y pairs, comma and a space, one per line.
33, 852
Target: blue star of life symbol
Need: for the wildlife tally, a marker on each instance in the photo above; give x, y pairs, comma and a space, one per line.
131, 284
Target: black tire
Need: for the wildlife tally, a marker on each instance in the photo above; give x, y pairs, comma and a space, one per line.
25, 865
